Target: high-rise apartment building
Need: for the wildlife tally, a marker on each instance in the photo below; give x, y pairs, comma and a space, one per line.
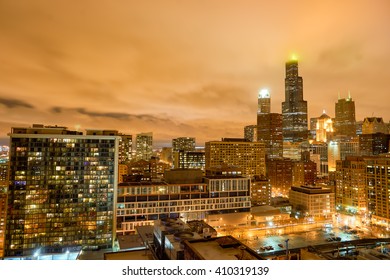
3, 217
345, 120
249, 156
144, 146
351, 193
125, 148
270, 132
62, 190
378, 188
186, 144
294, 108
3, 202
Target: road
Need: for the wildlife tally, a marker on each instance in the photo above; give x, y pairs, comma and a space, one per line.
305, 234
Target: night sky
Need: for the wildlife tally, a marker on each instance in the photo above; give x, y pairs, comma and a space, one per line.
186, 68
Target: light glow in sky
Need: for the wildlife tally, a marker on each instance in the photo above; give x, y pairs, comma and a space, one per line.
185, 68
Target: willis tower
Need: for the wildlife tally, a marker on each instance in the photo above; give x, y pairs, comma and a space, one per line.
294, 108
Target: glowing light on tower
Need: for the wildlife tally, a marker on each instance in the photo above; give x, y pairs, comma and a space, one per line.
264, 93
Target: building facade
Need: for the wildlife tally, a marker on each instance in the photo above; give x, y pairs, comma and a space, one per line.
378, 189
351, 192
261, 191
62, 190
313, 201
141, 203
125, 148
374, 125
270, 132
279, 172
249, 156
186, 144
189, 160
373, 144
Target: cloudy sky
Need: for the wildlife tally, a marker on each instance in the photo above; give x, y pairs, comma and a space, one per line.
185, 67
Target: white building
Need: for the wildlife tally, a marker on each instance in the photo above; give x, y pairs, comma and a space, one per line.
313, 200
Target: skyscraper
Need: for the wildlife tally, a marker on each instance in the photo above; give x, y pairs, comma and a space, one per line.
269, 126
125, 148
345, 120
324, 128
269, 131
294, 108
144, 146
62, 190
264, 102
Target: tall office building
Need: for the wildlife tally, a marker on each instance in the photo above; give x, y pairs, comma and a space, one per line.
345, 120
249, 156
269, 131
186, 144
62, 190
324, 128
264, 102
144, 146
294, 108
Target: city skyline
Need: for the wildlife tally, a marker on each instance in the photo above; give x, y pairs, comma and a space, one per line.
185, 69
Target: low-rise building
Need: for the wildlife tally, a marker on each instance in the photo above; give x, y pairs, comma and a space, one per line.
313, 200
